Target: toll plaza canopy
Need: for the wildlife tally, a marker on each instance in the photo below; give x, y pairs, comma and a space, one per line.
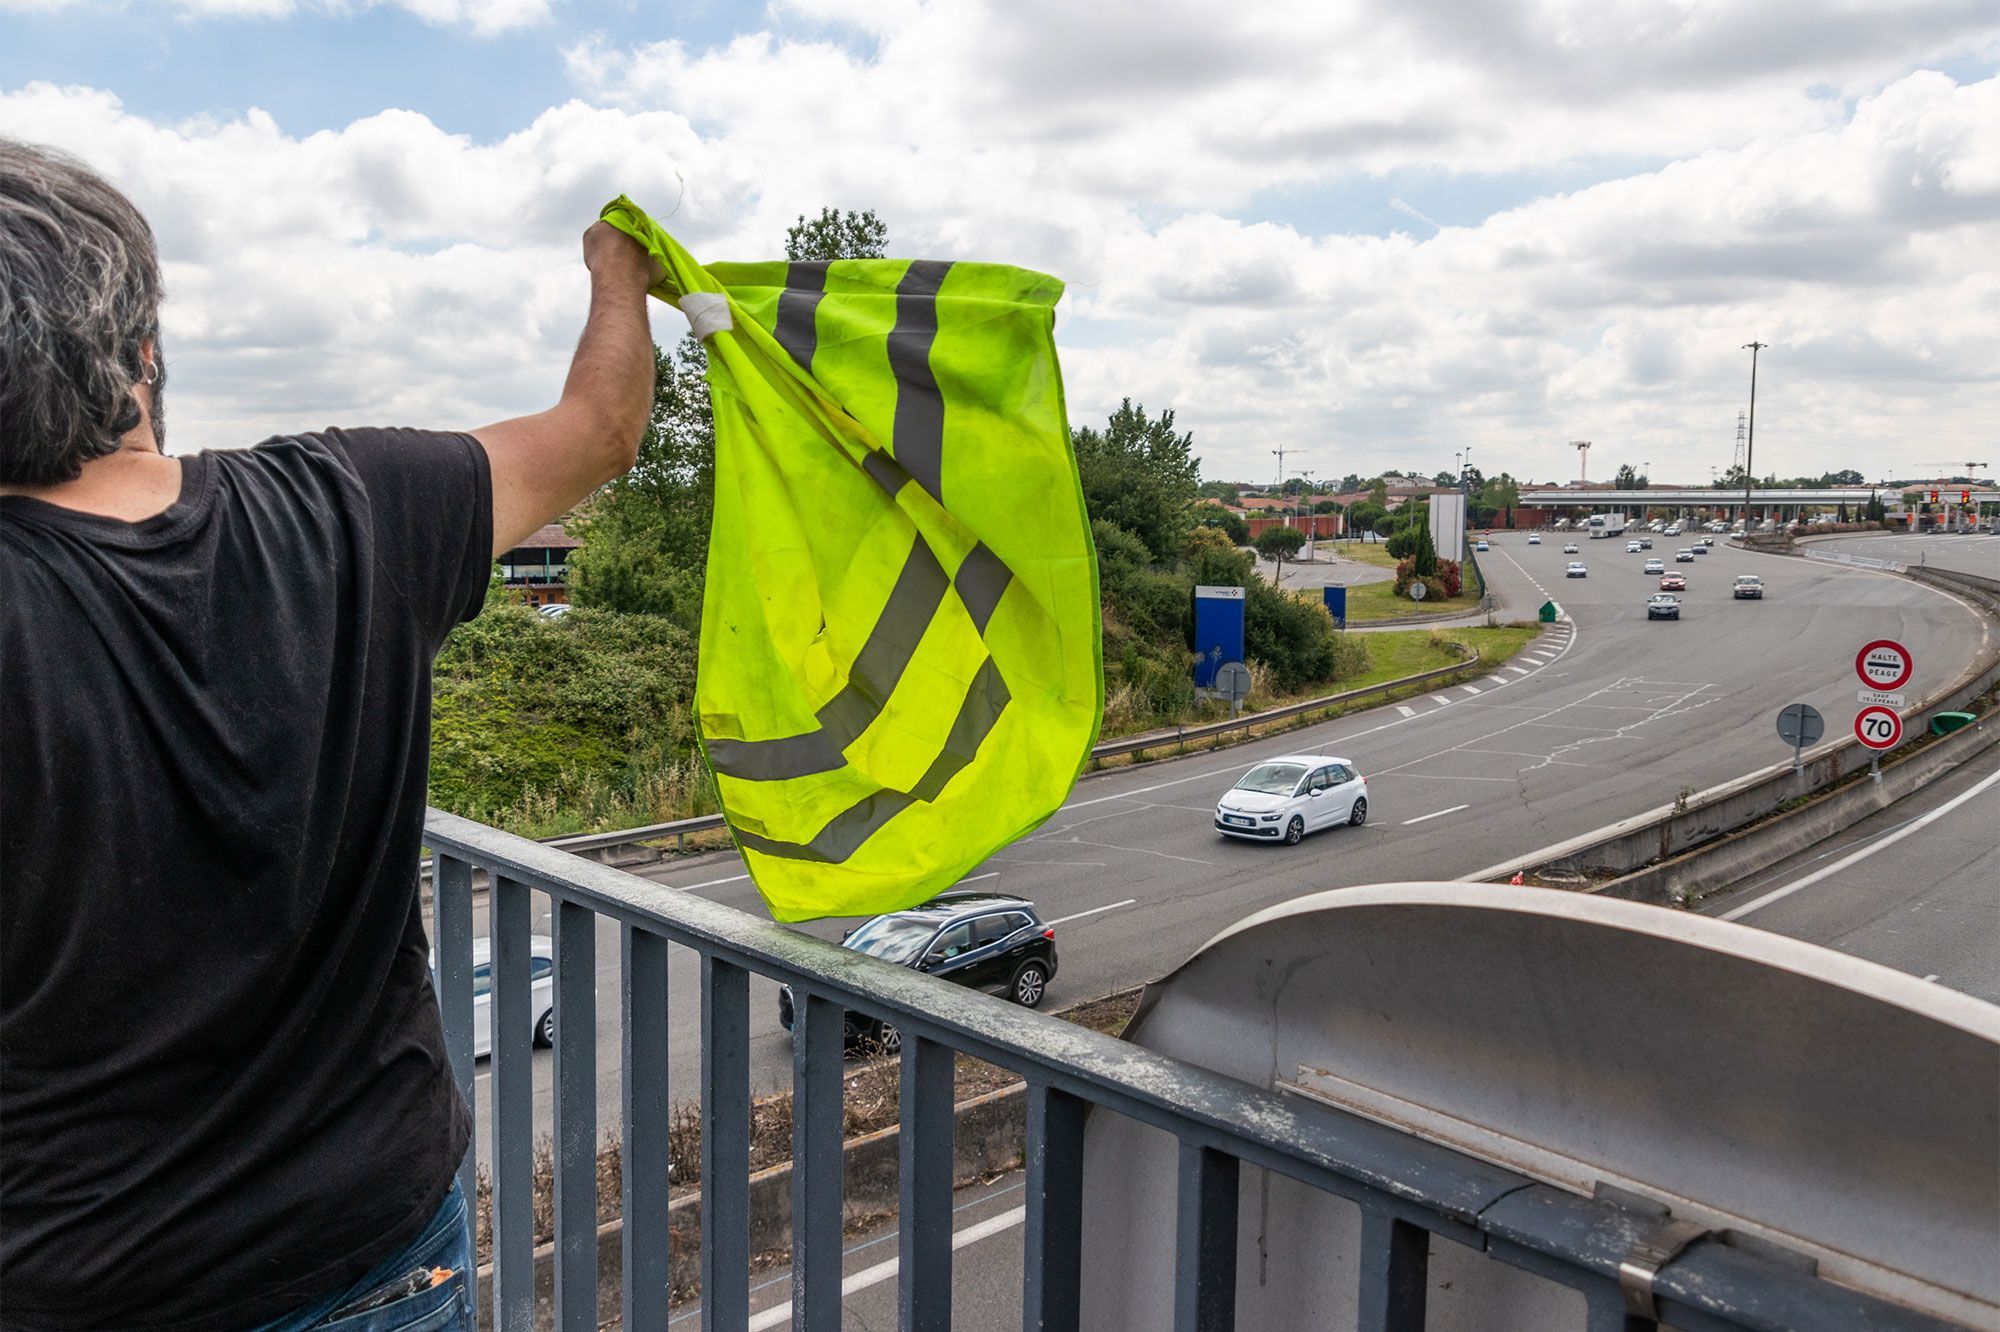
900, 663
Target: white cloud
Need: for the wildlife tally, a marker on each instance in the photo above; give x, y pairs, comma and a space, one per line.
1811, 192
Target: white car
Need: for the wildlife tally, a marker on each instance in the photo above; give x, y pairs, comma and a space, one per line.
1570, 549
1633, 548
541, 992
1672, 530
1283, 799
1655, 567
1576, 569
1534, 538
1479, 546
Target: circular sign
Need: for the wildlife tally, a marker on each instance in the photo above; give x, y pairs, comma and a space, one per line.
1884, 664
1800, 724
1417, 591
1878, 727
1232, 681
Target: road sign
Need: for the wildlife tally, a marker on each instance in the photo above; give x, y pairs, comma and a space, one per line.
1881, 698
1800, 724
1417, 591
1884, 664
1218, 631
1878, 728
1336, 603
1232, 681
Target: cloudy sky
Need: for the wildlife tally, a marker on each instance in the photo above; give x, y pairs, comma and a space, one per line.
1375, 232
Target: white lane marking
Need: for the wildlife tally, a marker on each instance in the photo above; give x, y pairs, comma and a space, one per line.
1499, 679
1439, 698
990, 874
734, 878
1913, 826
1518, 670
1064, 920
1407, 712
1438, 815
1933, 976
780, 1314
1470, 689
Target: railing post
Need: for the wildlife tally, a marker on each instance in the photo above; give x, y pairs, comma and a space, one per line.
513, 1108
1205, 1241
924, 1147
576, 1117
451, 929
643, 1050
725, 1144
1395, 1267
818, 1046
1053, 1246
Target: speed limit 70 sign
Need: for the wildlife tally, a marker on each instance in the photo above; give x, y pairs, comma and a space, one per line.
1884, 664
1878, 728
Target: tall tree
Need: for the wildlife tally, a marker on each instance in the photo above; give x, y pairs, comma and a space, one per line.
1139, 474
1378, 492
1278, 544
837, 235
1627, 477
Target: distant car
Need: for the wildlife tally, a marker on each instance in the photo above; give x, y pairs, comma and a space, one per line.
1285, 798
555, 610
988, 941
1747, 586
541, 992
1673, 582
1663, 606
1479, 545
1576, 569
1633, 548
1645, 543
1655, 567
1570, 549
1673, 529
1685, 555
1699, 548
1534, 538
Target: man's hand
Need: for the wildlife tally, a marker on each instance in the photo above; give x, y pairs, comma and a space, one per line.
613, 256
544, 464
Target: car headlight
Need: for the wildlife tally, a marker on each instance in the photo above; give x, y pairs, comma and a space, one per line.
1270, 818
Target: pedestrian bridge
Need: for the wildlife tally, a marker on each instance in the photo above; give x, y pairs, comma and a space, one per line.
1489, 1164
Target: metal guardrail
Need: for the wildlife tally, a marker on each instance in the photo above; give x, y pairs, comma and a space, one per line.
1412, 1191
679, 829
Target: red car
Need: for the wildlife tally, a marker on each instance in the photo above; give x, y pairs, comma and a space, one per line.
1673, 582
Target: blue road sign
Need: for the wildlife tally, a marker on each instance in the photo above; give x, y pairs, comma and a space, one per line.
1218, 631
1336, 604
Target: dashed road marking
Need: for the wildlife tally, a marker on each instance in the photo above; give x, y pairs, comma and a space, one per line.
1437, 814
1407, 712
1064, 920
1439, 698
1470, 689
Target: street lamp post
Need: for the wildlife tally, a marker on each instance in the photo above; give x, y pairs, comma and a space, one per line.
1750, 443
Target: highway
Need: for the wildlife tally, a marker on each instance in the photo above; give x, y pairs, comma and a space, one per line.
1915, 887
1604, 718
1978, 555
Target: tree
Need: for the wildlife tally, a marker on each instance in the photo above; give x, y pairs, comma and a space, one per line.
1502, 492
1294, 486
1278, 544
1350, 483
1378, 491
1845, 477
1876, 511
1474, 479
837, 235
1445, 479
1327, 506
1226, 491
1362, 516
1140, 475
1627, 477
1733, 479
1425, 554
1230, 524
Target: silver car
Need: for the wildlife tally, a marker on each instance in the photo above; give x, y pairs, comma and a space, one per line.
541, 992
1286, 798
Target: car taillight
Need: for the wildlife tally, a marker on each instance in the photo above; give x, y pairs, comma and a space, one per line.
1049, 933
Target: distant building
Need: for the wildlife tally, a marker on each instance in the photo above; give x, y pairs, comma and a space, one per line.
537, 570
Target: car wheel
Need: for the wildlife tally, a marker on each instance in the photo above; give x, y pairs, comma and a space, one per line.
545, 1030
887, 1039
1031, 982
1295, 830
1359, 814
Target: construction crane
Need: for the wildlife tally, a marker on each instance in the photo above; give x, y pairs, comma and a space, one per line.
1582, 447
1968, 466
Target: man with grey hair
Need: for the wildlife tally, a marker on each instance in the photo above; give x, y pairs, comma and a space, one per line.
224, 1096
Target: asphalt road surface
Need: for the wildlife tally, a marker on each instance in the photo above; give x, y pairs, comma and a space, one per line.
1602, 719
1961, 553
1915, 887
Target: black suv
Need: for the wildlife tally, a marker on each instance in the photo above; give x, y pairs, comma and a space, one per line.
988, 941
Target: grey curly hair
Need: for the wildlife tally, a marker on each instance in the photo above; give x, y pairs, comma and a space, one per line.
80, 295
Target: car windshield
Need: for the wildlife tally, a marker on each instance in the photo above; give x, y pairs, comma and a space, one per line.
1272, 778
891, 938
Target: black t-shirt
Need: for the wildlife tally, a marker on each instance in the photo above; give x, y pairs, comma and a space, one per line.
223, 1085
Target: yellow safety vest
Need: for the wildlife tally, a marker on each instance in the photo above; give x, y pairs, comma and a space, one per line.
901, 668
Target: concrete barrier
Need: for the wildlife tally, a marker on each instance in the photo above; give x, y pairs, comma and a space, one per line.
989, 1136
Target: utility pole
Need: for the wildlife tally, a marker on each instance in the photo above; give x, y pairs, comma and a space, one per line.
1750, 442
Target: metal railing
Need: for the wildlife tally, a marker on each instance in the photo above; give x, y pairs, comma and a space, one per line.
1411, 1191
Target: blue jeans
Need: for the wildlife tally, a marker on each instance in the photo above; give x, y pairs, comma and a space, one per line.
397, 1294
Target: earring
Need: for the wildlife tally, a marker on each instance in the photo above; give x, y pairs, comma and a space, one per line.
152, 373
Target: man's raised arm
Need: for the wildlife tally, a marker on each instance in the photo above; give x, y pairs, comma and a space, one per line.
544, 464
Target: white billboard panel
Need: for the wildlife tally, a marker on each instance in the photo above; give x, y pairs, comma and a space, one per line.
1448, 524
